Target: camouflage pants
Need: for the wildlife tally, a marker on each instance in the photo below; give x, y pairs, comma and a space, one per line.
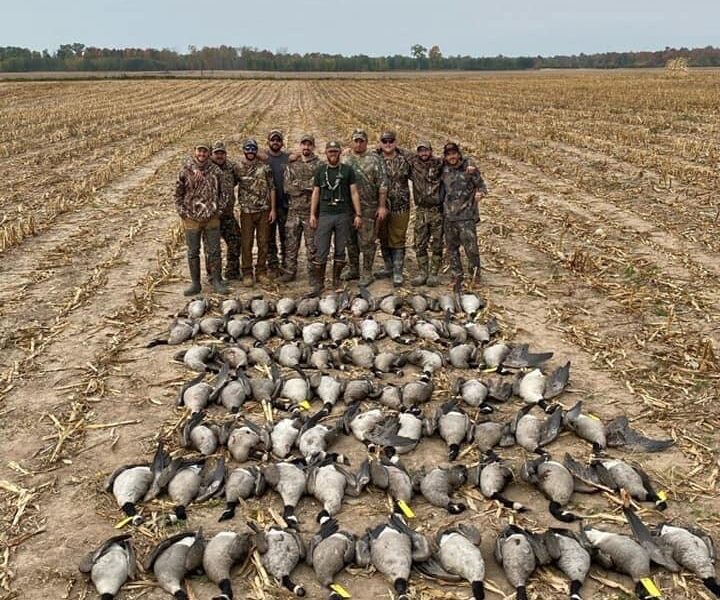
278, 230
428, 232
364, 239
297, 226
462, 233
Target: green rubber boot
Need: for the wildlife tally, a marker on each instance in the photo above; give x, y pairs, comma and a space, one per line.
192, 239
432, 278
422, 276
213, 247
387, 270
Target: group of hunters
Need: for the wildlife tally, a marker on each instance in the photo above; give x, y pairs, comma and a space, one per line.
353, 198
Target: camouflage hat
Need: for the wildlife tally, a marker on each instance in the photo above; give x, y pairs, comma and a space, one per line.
424, 144
333, 146
203, 145
219, 146
275, 133
306, 137
388, 134
359, 134
250, 145
451, 147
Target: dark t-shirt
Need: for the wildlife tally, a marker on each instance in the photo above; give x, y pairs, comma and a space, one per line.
334, 183
277, 165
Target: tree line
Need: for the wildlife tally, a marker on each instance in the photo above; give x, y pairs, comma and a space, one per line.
78, 57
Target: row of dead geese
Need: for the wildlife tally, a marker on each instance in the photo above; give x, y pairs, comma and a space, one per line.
392, 547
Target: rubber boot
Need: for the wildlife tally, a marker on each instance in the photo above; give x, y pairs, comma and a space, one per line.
318, 280
352, 271
192, 239
387, 271
398, 263
422, 276
213, 243
338, 267
432, 278
287, 277
366, 277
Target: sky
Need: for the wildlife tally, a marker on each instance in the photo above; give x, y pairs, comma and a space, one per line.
373, 27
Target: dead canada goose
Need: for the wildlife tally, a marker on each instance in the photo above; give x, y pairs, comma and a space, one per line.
203, 437
391, 548
329, 389
222, 552
241, 484
690, 547
235, 392
260, 308
180, 331
286, 329
196, 394
390, 474
328, 482
615, 474
489, 434
110, 565
329, 552
316, 437
569, 551
195, 481
130, 483
459, 553
492, 476
624, 555
439, 483
419, 391
389, 362
473, 392
289, 479
398, 434
428, 360
231, 306
453, 425
534, 434
312, 333
520, 357
200, 358
307, 307
173, 558
245, 438
520, 552
555, 481
284, 307
283, 436
234, 356
396, 330
280, 551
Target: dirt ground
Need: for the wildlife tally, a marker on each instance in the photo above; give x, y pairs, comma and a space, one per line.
599, 242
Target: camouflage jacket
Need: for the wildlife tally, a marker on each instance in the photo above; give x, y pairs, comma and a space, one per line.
255, 183
299, 176
371, 177
398, 170
425, 178
199, 191
229, 183
458, 191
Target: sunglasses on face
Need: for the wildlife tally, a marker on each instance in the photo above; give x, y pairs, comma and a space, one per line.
388, 141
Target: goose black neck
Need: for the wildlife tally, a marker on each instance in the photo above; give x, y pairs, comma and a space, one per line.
521, 593
180, 595
129, 509
401, 586
478, 590
181, 513
575, 586
561, 515
229, 512
226, 588
712, 585
106, 596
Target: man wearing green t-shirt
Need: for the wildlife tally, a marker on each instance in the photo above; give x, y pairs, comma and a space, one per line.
334, 209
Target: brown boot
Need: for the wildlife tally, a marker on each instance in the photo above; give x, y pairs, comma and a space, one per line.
318, 279
287, 277
338, 266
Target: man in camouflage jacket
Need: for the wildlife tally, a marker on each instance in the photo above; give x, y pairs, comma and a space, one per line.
229, 226
298, 181
393, 230
256, 209
200, 198
425, 177
461, 182
372, 185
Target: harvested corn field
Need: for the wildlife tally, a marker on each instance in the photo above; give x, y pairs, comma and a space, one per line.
600, 242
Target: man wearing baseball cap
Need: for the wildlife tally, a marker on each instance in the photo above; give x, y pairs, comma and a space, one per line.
425, 177
334, 211
393, 230
462, 183
200, 198
277, 159
299, 176
372, 186
256, 200
229, 226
